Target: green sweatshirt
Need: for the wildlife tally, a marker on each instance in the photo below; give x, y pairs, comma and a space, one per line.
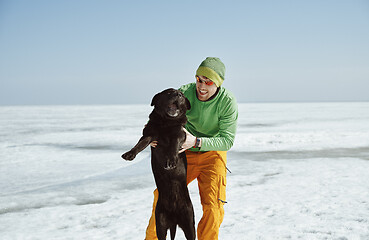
214, 121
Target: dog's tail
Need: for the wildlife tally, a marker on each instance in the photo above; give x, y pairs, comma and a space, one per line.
173, 230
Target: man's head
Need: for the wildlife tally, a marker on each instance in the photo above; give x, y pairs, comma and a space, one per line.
209, 76
213, 69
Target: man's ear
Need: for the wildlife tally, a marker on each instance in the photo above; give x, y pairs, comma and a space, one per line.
155, 99
188, 104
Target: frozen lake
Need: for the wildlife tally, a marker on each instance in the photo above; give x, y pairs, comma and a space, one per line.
299, 170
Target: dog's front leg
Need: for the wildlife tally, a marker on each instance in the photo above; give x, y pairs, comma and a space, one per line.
141, 145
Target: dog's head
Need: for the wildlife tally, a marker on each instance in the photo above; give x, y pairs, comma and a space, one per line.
171, 104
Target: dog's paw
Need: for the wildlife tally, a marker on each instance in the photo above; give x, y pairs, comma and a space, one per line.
129, 156
170, 166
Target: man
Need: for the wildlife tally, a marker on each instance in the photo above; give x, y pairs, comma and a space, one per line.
210, 132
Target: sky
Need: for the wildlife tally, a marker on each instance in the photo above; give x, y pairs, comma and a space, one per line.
123, 52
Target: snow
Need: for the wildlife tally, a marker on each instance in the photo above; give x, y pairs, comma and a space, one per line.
299, 171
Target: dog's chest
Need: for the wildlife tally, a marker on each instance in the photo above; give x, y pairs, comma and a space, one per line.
171, 137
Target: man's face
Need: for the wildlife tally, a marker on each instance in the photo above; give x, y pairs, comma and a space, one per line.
204, 90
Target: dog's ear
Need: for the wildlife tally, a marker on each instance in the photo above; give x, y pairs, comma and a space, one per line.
188, 104
155, 99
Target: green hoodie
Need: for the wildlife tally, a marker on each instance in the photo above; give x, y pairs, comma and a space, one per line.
214, 121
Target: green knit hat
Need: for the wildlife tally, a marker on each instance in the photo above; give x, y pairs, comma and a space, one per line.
213, 69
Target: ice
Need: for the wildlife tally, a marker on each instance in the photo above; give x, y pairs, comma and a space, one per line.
299, 170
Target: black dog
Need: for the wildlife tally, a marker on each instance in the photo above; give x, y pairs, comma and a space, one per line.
174, 206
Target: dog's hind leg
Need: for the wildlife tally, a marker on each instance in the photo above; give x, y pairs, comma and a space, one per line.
188, 224
189, 231
162, 222
161, 230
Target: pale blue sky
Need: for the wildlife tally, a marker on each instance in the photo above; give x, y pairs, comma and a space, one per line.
122, 52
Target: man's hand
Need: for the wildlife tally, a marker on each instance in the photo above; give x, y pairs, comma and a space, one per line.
190, 141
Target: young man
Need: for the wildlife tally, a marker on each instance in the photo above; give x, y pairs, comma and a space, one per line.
211, 129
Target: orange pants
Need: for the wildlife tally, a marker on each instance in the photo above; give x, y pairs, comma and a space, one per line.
209, 168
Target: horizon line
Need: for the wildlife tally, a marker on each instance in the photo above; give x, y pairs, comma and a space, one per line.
121, 104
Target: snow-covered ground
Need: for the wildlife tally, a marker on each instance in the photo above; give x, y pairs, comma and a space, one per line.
299, 171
